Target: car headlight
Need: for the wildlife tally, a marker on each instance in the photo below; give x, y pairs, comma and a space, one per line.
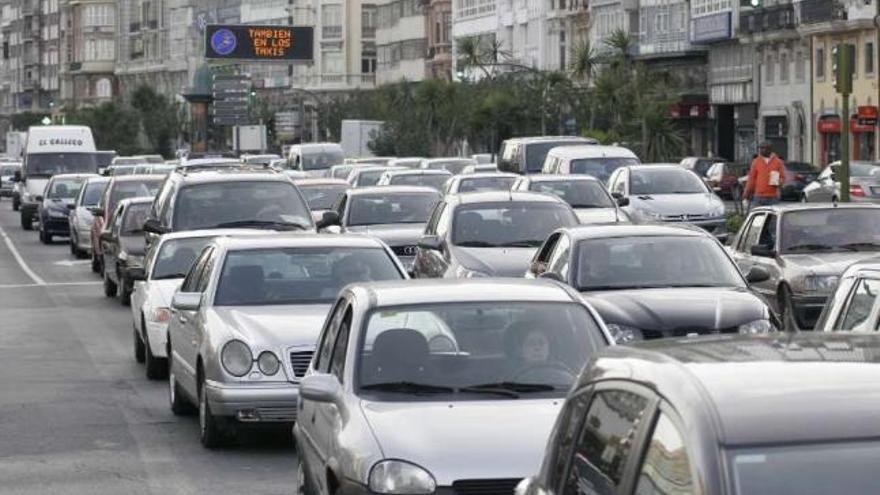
757, 326
819, 283
464, 272
717, 210
160, 315
624, 334
401, 478
649, 215
268, 363
56, 213
236, 358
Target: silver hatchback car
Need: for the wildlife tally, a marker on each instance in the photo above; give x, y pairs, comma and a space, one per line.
244, 323
441, 386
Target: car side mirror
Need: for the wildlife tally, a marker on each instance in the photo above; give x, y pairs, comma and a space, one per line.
97, 211
321, 387
38, 198
431, 242
763, 251
329, 219
135, 273
16, 176
154, 227
186, 301
71, 206
757, 274
551, 276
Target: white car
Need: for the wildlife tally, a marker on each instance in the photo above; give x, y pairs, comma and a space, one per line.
167, 262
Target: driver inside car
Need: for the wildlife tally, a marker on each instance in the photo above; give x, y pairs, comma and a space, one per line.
534, 356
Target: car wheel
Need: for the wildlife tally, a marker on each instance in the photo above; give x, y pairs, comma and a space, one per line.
786, 311
16, 204
300, 484
803, 198
73, 250
211, 431
27, 223
124, 291
138, 347
109, 286
45, 238
96, 266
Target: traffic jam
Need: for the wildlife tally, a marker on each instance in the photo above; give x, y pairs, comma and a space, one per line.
558, 317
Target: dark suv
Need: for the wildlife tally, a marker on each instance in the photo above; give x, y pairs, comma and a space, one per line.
227, 198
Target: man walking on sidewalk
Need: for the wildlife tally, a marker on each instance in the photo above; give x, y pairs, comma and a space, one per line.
765, 177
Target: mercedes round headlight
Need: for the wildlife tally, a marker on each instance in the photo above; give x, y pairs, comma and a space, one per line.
757, 326
268, 363
401, 478
623, 334
236, 358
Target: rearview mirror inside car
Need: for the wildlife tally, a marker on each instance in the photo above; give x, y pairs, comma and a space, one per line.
762, 250
431, 242
320, 387
186, 301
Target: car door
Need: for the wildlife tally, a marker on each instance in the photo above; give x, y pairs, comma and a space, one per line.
433, 263
110, 242
667, 465
860, 312
560, 260
139, 289
181, 332
761, 232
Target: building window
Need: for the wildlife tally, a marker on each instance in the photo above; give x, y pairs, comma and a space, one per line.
563, 50
820, 63
800, 67
368, 21
783, 68
869, 58
103, 89
855, 66
331, 21
333, 62
769, 70
99, 15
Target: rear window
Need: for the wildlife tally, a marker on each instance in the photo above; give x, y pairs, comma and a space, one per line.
135, 216
132, 189
93, 192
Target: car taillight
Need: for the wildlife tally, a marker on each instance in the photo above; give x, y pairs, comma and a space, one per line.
856, 190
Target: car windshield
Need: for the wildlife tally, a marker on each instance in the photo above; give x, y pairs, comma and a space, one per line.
368, 178
9, 170
434, 181
319, 160
117, 170
537, 152
470, 184
644, 262
176, 256
600, 168
391, 208
135, 216
483, 350
509, 224
341, 171
64, 188
222, 204
831, 229
322, 197
800, 167
577, 193
269, 276
48, 164
807, 469
92, 194
451, 166
132, 189
665, 181
864, 170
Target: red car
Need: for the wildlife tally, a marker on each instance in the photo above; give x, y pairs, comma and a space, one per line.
723, 177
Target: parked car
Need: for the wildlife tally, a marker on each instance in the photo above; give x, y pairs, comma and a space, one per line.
123, 246
719, 415
56, 202
395, 214
7, 174
245, 321
367, 176
526, 155
321, 194
597, 161
81, 217
698, 165
797, 176
315, 158
453, 165
853, 307
435, 179
655, 281
485, 181
425, 387
723, 178
166, 264
668, 193
864, 184
119, 188
486, 234
587, 195
805, 249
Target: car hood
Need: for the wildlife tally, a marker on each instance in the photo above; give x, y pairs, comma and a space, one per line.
401, 234
823, 263
58, 203
676, 204
134, 244
596, 215
495, 262
467, 439
679, 311
275, 327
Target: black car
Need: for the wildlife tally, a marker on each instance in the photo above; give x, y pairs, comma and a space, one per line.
488, 234
720, 415
55, 204
395, 214
797, 176
655, 281
123, 246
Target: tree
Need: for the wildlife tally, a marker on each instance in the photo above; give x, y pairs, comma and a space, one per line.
21, 121
158, 118
113, 126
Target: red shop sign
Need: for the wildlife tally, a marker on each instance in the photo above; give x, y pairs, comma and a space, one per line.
829, 126
867, 112
857, 126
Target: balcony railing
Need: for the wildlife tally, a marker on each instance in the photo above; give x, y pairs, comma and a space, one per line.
348, 79
815, 11
769, 19
368, 32
331, 32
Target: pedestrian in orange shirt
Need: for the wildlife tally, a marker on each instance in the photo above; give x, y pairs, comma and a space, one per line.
765, 177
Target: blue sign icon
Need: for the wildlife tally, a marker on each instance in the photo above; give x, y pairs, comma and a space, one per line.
223, 42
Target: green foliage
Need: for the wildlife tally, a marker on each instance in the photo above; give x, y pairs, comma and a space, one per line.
21, 121
158, 119
114, 126
734, 222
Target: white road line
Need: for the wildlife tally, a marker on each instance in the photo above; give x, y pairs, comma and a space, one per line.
48, 284
30, 273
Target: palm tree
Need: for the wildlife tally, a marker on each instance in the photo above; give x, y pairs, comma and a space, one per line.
584, 62
621, 47
471, 54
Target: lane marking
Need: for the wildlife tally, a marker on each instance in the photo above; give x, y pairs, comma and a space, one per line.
48, 284
30, 273
70, 263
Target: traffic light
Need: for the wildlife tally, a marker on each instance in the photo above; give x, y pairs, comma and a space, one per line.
842, 67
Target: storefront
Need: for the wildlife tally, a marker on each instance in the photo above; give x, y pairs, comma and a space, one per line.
829, 139
863, 126
776, 133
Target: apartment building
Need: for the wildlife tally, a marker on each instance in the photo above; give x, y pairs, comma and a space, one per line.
438, 27
31, 52
88, 47
401, 40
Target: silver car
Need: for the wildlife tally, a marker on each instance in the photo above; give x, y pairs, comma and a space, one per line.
587, 195
81, 217
483, 181
864, 184
245, 320
439, 386
855, 304
7, 173
417, 177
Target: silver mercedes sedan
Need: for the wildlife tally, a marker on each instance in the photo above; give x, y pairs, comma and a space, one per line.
245, 320
440, 386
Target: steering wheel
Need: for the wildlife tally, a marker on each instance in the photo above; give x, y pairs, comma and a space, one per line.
544, 373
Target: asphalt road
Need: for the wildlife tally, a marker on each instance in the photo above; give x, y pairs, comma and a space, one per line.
77, 415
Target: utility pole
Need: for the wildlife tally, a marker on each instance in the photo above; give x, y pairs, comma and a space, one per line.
843, 58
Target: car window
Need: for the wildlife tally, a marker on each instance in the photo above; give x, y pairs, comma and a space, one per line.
577, 193
768, 233
391, 208
605, 443
753, 232
563, 439
328, 337
663, 180
192, 277
619, 186
132, 189
472, 184
64, 188
91, 194
176, 256
559, 261
600, 168
219, 204
443, 222
860, 307
547, 249
666, 468
829, 230
509, 224
117, 220
322, 197
337, 362
431, 227
206, 271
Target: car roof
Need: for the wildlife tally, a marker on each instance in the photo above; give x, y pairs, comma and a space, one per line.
232, 175
137, 200
595, 231
193, 234
591, 151
385, 190
321, 182
97, 178
655, 166
477, 197
560, 177
774, 388
431, 291
136, 178
788, 207
285, 240
75, 176
488, 175
542, 139
418, 171
450, 159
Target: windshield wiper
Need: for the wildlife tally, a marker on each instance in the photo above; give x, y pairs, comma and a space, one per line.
521, 244
476, 244
811, 247
576, 205
170, 275
513, 389
262, 224
861, 245
408, 387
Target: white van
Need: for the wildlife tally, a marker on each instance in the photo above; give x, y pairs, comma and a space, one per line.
595, 160
315, 158
51, 150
